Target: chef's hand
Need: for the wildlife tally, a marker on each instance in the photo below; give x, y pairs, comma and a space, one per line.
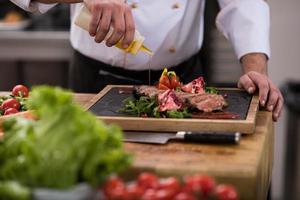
255, 78
115, 13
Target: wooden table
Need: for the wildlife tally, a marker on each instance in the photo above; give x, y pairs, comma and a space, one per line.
248, 166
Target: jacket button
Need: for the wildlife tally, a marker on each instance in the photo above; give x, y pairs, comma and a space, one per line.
172, 50
134, 5
176, 6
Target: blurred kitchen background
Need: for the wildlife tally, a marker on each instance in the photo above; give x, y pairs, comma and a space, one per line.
36, 50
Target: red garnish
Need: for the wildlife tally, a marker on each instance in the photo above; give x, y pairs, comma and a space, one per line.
168, 80
169, 101
197, 86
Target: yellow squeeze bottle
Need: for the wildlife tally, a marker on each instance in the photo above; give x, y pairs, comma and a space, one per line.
83, 20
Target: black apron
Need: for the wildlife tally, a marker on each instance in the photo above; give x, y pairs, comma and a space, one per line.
91, 76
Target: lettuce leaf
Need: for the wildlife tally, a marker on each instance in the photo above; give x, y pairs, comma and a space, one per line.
65, 146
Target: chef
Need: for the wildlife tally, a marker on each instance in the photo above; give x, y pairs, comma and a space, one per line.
174, 32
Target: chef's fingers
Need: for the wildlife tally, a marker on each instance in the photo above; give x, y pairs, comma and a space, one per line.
261, 81
129, 28
246, 83
273, 98
278, 108
104, 26
119, 26
96, 14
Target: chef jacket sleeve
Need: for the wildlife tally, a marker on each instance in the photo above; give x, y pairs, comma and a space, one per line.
34, 7
246, 23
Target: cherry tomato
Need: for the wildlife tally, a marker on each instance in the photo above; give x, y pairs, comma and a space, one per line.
174, 81
133, 192
10, 111
114, 188
226, 192
148, 180
207, 184
117, 194
149, 194
170, 183
20, 91
162, 87
10, 103
184, 196
200, 184
165, 194
165, 81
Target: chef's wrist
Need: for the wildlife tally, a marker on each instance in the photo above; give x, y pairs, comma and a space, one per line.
257, 62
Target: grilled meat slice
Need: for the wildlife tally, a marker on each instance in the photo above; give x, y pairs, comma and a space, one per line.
184, 96
169, 101
207, 102
152, 91
201, 102
145, 90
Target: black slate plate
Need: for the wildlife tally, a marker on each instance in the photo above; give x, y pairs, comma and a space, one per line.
238, 103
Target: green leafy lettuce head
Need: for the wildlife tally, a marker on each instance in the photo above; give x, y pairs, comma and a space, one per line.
65, 146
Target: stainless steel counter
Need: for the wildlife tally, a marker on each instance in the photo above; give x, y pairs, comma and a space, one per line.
35, 46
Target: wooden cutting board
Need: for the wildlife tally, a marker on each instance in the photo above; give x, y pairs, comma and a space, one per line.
107, 103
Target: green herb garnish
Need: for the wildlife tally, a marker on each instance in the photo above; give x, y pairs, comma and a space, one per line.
141, 106
179, 114
149, 107
211, 90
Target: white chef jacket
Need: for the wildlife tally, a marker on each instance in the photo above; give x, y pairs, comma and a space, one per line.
174, 30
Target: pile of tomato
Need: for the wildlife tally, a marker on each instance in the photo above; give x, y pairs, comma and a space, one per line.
169, 80
149, 187
15, 102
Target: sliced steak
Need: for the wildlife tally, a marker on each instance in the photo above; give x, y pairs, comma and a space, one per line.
184, 96
169, 101
152, 91
145, 90
207, 102
201, 102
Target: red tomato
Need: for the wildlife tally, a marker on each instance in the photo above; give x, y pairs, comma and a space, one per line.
149, 194
200, 184
10, 111
116, 194
184, 196
162, 87
170, 183
10, 103
226, 192
174, 81
164, 79
148, 180
114, 188
133, 192
165, 194
20, 91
